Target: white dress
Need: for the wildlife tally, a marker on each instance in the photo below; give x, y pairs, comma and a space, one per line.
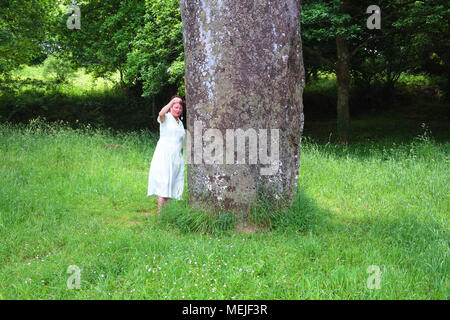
166, 177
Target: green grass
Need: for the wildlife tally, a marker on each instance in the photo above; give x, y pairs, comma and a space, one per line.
78, 197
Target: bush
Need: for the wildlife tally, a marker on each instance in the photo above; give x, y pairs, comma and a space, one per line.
60, 70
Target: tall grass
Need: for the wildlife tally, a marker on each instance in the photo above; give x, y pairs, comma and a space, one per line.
78, 197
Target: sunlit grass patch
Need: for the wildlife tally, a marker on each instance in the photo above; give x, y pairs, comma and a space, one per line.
78, 197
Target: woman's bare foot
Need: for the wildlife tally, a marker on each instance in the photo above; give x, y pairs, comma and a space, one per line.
161, 201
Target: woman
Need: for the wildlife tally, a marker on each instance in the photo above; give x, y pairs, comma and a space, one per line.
166, 178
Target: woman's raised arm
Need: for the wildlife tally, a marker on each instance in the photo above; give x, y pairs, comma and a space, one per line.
166, 108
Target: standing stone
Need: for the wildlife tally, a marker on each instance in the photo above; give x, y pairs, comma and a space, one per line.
244, 69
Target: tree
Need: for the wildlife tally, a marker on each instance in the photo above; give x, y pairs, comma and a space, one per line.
244, 78
335, 32
58, 68
24, 26
142, 40
102, 44
157, 57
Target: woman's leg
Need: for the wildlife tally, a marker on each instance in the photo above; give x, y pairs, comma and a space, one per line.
161, 201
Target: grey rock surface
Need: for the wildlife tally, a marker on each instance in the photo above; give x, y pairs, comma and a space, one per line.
243, 70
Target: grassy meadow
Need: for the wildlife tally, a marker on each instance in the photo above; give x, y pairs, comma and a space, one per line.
78, 197
81, 86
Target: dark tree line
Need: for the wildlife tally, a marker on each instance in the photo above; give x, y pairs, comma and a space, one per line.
142, 41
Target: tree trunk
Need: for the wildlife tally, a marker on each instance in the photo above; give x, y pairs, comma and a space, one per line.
244, 71
343, 94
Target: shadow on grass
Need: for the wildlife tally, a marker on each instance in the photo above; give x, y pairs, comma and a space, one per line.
422, 146
377, 129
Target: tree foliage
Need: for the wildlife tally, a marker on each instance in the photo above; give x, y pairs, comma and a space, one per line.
143, 41
157, 57
103, 42
58, 68
24, 28
413, 37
